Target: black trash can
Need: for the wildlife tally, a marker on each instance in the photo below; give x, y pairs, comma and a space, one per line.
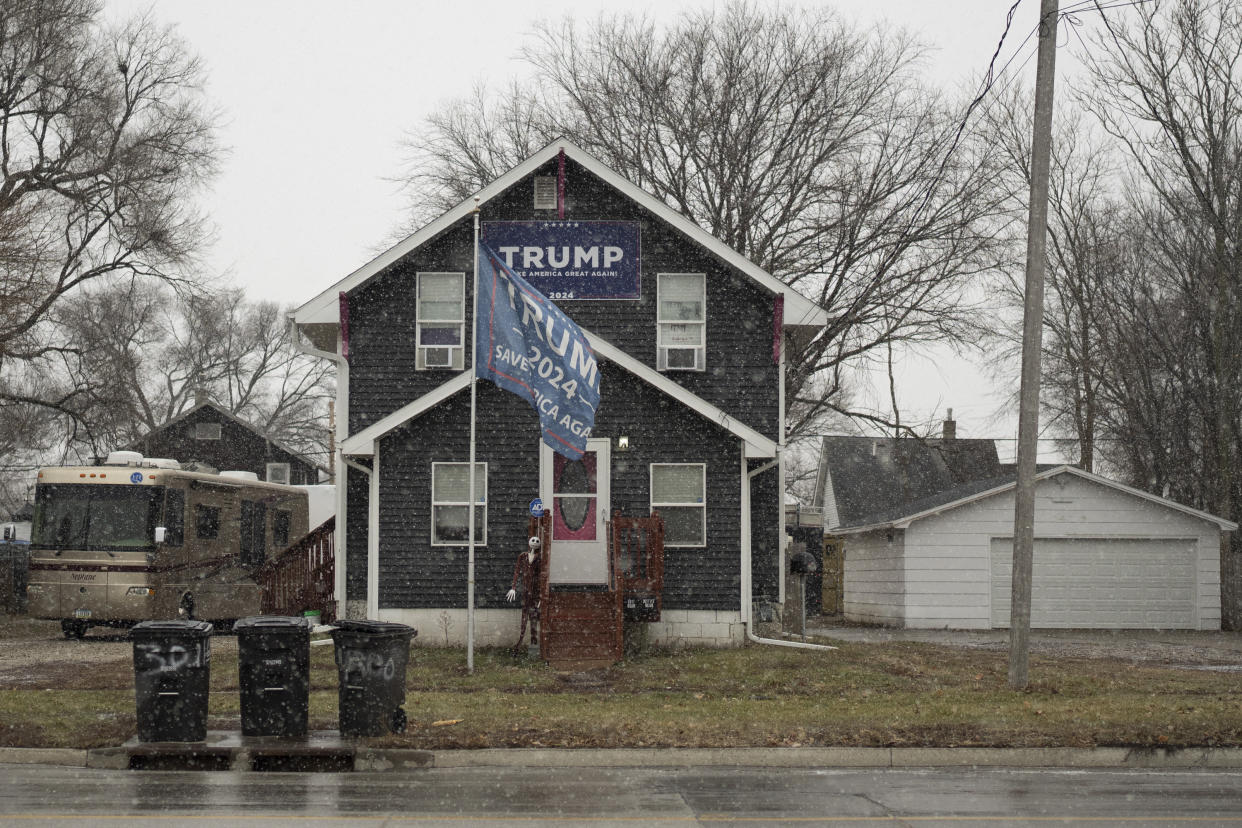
172, 668
371, 657
273, 666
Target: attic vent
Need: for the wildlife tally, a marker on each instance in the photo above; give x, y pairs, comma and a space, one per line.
545, 192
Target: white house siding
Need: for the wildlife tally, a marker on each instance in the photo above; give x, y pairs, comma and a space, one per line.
948, 562
874, 578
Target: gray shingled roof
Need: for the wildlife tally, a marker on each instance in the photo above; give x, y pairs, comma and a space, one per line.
877, 479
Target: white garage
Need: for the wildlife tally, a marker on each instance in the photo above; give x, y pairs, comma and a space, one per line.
1106, 557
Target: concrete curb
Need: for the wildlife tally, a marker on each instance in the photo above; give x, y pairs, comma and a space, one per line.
70, 757
402, 759
847, 757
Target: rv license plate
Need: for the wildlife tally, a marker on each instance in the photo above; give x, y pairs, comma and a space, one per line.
81, 613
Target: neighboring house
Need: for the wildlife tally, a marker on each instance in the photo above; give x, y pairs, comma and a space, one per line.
689, 345
864, 477
210, 436
940, 556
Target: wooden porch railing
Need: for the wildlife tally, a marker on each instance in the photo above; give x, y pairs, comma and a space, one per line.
637, 545
583, 626
303, 577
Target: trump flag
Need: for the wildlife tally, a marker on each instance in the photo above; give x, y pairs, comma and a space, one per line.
527, 345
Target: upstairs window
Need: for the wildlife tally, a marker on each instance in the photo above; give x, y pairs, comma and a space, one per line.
206, 431
441, 321
681, 320
278, 473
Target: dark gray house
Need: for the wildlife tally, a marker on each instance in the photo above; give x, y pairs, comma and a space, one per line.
211, 436
689, 337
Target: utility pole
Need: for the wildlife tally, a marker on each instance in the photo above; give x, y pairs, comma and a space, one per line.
1032, 335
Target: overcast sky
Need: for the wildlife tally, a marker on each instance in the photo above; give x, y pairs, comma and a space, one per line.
317, 95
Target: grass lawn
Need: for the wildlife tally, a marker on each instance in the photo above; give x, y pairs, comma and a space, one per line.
891, 694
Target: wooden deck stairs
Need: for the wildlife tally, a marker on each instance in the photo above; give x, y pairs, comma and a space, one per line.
584, 628
303, 577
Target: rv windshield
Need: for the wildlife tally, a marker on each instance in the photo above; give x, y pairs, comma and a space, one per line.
101, 517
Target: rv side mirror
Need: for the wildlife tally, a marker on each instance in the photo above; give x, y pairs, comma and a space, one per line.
160, 533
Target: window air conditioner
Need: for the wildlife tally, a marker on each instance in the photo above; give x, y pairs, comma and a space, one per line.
438, 357
686, 358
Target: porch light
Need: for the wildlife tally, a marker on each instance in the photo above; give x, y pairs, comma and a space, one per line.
623, 443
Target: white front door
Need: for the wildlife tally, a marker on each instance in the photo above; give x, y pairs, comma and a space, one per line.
577, 493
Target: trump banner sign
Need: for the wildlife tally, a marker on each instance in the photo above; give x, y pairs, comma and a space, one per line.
570, 259
527, 345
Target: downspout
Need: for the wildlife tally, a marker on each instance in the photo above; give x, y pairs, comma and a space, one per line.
746, 598
342, 477
373, 550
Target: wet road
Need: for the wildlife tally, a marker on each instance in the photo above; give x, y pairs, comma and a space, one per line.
45, 796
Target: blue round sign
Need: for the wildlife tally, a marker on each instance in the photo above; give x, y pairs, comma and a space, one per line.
536, 507
136, 477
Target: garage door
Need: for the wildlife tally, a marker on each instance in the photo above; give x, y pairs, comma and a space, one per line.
1096, 583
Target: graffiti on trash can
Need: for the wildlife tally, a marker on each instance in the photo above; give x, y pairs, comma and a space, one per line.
161, 658
370, 664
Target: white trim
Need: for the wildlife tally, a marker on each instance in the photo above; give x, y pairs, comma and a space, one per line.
904, 522
466, 503
701, 505
602, 446
799, 311
780, 472
829, 503
341, 475
360, 444
373, 538
756, 444
747, 590
457, 352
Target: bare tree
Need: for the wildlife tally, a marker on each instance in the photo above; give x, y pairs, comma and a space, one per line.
104, 139
146, 357
1167, 84
806, 144
1089, 229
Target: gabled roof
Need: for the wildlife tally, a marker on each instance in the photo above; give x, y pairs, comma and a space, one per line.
863, 478
757, 445
981, 489
227, 415
325, 308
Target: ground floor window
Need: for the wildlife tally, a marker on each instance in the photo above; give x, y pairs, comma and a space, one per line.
679, 494
450, 504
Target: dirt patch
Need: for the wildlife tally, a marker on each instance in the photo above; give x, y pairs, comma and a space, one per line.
36, 654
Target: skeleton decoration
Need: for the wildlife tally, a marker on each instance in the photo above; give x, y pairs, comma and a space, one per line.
527, 569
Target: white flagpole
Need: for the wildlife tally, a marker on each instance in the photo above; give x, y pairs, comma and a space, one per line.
474, 356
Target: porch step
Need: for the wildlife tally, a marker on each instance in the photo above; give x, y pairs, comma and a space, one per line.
581, 630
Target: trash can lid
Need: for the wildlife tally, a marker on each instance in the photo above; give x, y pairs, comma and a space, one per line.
191, 629
374, 628
277, 624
